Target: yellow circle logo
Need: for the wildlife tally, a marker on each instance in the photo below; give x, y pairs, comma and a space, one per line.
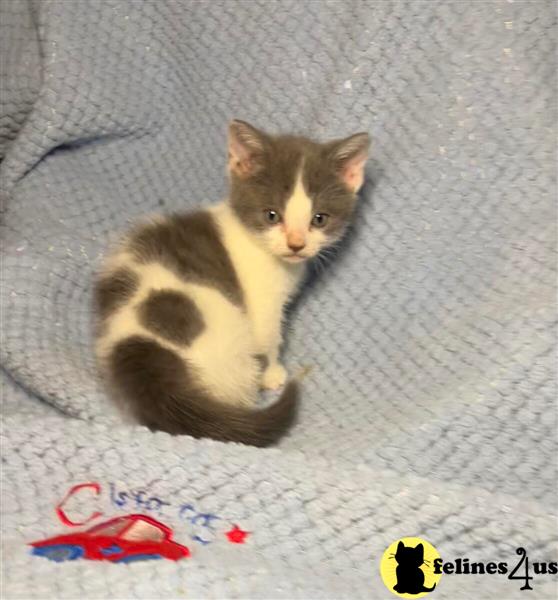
407, 568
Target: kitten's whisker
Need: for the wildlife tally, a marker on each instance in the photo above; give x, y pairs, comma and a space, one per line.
332, 249
327, 255
324, 262
320, 268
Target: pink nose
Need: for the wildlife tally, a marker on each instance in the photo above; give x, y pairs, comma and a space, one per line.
296, 246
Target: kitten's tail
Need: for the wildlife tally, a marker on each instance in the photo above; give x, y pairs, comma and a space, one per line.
154, 382
425, 589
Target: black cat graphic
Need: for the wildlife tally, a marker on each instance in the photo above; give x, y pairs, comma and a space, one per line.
410, 577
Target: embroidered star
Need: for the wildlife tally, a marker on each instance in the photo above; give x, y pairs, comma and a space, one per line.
237, 535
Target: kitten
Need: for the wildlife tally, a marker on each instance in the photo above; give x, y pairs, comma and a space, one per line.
410, 577
188, 303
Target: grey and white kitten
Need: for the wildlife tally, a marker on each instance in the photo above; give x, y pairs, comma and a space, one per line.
187, 303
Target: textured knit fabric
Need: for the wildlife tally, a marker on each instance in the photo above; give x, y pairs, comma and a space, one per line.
430, 406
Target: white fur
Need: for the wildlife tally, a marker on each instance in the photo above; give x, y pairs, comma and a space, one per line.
222, 358
267, 283
298, 214
295, 229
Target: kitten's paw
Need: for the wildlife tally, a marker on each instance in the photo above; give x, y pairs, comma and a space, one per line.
274, 377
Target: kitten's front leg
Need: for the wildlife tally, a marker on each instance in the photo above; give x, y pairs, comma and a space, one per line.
268, 339
266, 314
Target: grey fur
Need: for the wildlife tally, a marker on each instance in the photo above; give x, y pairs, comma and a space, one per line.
171, 315
114, 290
164, 396
276, 162
190, 245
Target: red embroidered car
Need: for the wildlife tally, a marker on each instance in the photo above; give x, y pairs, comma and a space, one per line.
124, 539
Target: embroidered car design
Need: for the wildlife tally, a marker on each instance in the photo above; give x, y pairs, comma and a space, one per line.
123, 539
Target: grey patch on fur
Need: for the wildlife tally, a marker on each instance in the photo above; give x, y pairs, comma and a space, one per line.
158, 388
272, 182
172, 315
262, 360
190, 245
277, 161
324, 186
114, 290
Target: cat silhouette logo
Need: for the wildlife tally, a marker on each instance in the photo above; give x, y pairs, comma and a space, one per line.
407, 568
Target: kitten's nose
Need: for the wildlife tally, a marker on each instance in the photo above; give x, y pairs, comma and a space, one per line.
296, 246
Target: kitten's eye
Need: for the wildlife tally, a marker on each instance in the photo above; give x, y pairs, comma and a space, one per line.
272, 216
319, 220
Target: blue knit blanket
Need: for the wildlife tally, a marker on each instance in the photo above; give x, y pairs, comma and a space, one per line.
429, 408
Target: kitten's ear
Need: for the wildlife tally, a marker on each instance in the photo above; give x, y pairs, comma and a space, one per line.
351, 155
246, 146
420, 550
400, 546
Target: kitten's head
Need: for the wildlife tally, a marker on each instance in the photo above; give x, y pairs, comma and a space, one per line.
409, 556
296, 195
